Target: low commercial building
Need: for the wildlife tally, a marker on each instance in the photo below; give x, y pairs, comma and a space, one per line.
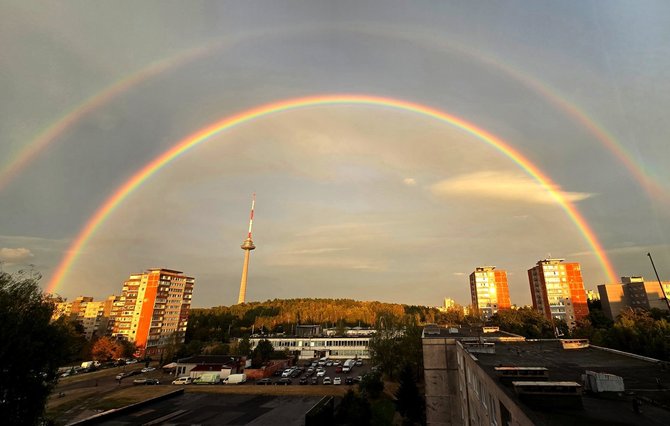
477, 379
318, 347
195, 366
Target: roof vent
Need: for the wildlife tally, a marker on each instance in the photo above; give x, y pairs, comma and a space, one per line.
550, 395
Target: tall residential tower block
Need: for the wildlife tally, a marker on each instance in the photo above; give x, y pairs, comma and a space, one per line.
153, 309
557, 290
489, 291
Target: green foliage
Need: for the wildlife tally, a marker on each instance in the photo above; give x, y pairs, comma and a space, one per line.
371, 385
244, 347
638, 331
383, 412
31, 350
262, 353
396, 346
353, 410
409, 402
526, 322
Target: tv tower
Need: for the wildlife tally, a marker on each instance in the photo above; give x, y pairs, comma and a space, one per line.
247, 246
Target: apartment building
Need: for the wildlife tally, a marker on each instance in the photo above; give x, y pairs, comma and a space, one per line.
474, 378
557, 290
153, 309
489, 291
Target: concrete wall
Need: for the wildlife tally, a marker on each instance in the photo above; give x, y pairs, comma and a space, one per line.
441, 376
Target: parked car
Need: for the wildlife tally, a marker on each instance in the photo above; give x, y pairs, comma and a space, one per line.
148, 369
131, 361
264, 382
336, 363
338, 369
359, 362
337, 381
329, 363
303, 380
285, 381
349, 380
327, 381
321, 373
358, 379
314, 381
278, 372
182, 381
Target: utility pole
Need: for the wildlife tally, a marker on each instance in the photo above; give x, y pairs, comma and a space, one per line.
665, 296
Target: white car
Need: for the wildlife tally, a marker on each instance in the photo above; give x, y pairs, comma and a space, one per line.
320, 373
337, 381
148, 369
326, 380
287, 373
183, 381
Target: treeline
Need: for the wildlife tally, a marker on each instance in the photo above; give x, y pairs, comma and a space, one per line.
282, 315
639, 331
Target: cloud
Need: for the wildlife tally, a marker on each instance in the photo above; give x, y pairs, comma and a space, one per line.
502, 186
409, 181
14, 255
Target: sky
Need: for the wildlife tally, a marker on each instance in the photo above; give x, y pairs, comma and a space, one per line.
354, 200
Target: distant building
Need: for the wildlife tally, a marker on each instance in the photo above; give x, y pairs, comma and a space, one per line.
448, 305
501, 379
318, 347
633, 292
94, 316
557, 290
489, 291
592, 296
153, 309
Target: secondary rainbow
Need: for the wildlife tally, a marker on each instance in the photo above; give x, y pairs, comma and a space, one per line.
19, 162
216, 128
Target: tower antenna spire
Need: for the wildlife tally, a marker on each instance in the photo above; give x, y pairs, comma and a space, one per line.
247, 246
251, 216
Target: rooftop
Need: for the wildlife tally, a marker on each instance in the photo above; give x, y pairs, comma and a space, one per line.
643, 378
468, 333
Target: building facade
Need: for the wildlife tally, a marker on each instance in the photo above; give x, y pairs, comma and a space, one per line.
557, 290
501, 380
318, 347
95, 316
635, 293
489, 291
153, 309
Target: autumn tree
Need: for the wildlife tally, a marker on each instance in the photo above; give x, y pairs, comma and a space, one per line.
105, 349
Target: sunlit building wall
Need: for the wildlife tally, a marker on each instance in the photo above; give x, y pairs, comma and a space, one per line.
153, 309
632, 292
489, 291
557, 290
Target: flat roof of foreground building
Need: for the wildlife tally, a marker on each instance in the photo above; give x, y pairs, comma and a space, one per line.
644, 378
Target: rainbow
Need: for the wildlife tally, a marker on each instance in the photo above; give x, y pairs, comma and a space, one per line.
15, 165
207, 133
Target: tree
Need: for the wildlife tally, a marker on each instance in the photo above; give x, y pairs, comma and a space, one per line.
409, 402
353, 410
371, 385
243, 347
105, 349
31, 349
264, 349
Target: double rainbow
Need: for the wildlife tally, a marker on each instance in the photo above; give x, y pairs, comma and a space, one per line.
226, 123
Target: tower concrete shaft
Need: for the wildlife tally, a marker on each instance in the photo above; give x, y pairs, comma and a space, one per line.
247, 246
